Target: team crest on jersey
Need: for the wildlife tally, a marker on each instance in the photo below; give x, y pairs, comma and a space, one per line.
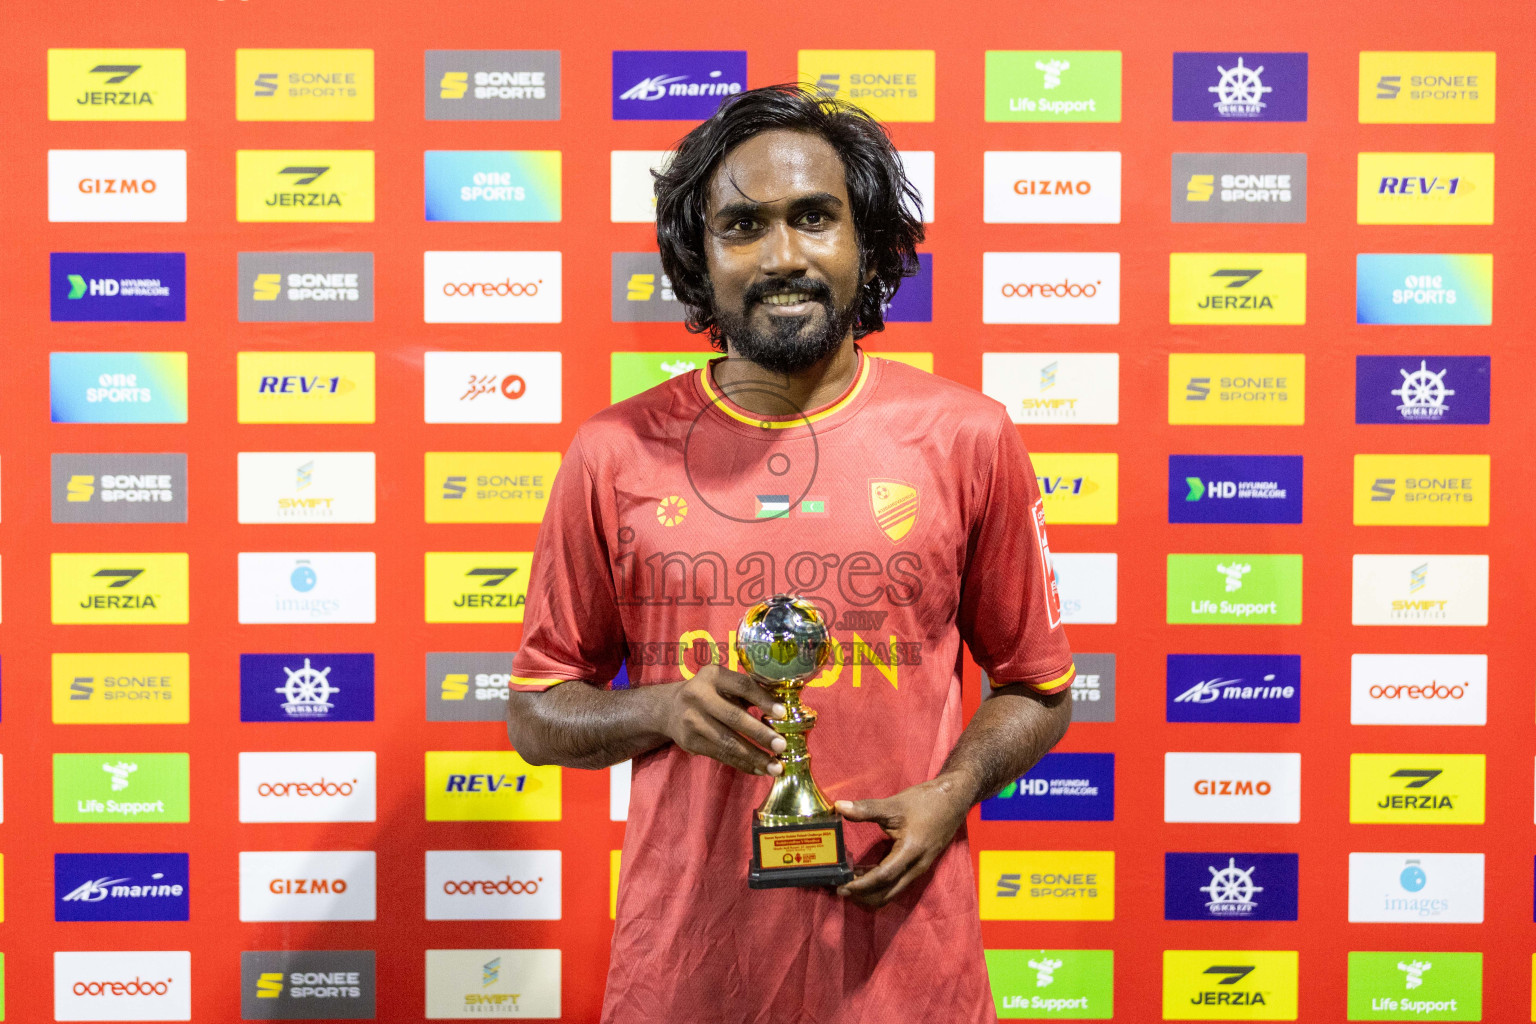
895, 507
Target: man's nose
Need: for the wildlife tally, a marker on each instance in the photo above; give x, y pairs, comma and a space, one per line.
781, 254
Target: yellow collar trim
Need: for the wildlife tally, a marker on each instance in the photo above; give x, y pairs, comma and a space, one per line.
724, 404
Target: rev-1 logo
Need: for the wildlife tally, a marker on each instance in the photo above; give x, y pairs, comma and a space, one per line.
1416, 186
484, 783
293, 385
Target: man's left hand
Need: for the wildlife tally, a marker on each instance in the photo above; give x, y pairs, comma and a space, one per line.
921, 821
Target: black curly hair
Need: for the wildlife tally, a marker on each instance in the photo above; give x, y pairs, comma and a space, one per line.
887, 210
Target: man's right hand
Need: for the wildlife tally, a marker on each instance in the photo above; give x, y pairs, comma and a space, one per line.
709, 715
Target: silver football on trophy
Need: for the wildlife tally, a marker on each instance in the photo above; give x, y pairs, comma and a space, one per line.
783, 640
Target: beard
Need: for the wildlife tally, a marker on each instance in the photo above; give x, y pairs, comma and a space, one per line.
789, 344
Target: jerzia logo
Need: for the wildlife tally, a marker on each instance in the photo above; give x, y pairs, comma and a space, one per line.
1237, 288
1401, 788
476, 586
300, 185
117, 85
1224, 984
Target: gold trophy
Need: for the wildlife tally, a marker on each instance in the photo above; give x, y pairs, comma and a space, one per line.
797, 838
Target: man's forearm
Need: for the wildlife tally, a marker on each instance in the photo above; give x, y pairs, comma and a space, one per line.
578, 725
1009, 733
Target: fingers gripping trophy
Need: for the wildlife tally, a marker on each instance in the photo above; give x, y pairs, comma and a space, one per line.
797, 838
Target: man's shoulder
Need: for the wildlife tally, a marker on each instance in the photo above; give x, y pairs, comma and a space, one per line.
654, 412
905, 389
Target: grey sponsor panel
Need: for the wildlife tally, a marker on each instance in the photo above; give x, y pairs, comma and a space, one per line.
493, 85
1244, 188
641, 292
119, 488
307, 985
468, 686
1093, 688
306, 287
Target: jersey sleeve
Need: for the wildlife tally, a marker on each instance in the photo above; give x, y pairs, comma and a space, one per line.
571, 624
1010, 610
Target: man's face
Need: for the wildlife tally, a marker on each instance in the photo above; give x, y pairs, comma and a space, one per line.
782, 252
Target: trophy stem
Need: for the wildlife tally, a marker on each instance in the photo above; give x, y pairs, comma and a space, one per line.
795, 798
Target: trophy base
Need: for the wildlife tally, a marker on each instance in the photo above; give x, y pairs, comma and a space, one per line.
808, 856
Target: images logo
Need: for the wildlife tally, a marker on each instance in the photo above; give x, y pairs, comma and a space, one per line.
1239, 87
306, 287
1234, 488
1229, 886
1047, 885
1444, 789
305, 387
492, 387
489, 785
1060, 787
1418, 689
1234, 688
298, 587
306, 687
632, 189
493, 185
1052, 984
1420, 590
893, 85
493, 983
1050, 288
117, 286
1424, 288
117, 185
126, 588
1054, 387
117, 85
1229, 984
120, 887
1237, 288
120, 788
1416, 888
287, 786
304, 186
1201, 787
491, 288
1088, 583
1243, 188
675, 85
1053, 85
1079, 487
1415, 986
1422, 490
1426, 87
493, 85
312, 885
1234, 589
489, 487
141, 985
493, 885
468, 687
110, 488
1422, 389
1051, 188
120, 689
1237, 389
305, 985
1424, 188
642, 291
304, 85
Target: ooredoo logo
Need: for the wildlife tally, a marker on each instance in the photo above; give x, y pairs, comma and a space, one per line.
284, 786
491, 288
1418, 689
493, 885
486, 887
1050, 288
138, 985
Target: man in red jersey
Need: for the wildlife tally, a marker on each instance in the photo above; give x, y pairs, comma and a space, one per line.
902, 504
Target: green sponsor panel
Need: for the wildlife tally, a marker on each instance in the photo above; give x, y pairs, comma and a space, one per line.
1052, 984
118, 788
1415, 986
634, 372
1234, 589
1053, 85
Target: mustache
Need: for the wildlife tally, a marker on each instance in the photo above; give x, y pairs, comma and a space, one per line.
817, 290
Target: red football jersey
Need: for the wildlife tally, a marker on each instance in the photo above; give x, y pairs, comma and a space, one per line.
908, 511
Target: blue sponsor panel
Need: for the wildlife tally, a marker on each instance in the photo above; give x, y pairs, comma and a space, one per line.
913, 303
1061, 787
117, 387
1234, 488
1234, 687
306, 687
1423, 389
1424, 288
1239, 86
117, 286
1230, 886
675, 85
120, 887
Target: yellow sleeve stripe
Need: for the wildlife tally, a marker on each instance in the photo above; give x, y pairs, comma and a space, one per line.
531, 681
1063, 680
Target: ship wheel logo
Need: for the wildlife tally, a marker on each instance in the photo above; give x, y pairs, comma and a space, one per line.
1231, 890
308, 690
1240, 90
1423, 393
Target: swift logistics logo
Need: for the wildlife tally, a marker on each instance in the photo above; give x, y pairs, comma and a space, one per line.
892, 85
1053, 85
1421, 789
487, 983
1424, 188
1234, 589
632, 189
333, 984
1416, 888
1427, 87
1239, 188
489, 785
486, 186
305, 287
468, 686
1424, 288
1052, 984
117, 85
493, 85
641, 291
1050, 288
118, 488
118, 186
1234, 688
124, 588
1230, 886
1054, 387
1079, 487
1234, 488
1237, 288
304, 85
304, 387
1060, 787
308, 885
1047, 885
1418, 689
488, 487
1051, 188
492, 387
121, 689
306, 687
1237, 388
675, 85
304, 185
476, 586
493, 885
1422, 389
1419, 590
1415, 986
1230, 984
120, 887
117, 287
305, 487
310, 785
137, 985
120, 788
491, 287
1232, 787
1239, 87
1422, 490
291, 587
117, 387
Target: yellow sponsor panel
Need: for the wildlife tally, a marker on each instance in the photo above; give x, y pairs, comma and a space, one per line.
304, 85
613, 884
892, 85
306, 185
1047, 885
1237, 288
117, 85
1237, 388
921, 360
131, 588
489, 487
121, 689
1230, 984
1426, 87
1422, 490
490, 785
1079, 487
1419, 789
304, 387
1424, 188
477, 586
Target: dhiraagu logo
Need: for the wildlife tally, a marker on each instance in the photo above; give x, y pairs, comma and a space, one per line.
1234, 589
120, 788
1053, 85
123, 588
634, 372
1052, 984
117, 387
1047, 885
1415, 986
490, 785
1230, 984
493, 185
1424, 288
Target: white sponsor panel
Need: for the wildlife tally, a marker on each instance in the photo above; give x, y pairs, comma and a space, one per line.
1054, 387
1420, 590
1227, 787
1050, 288
918, 166
307, 885
1051, 188
631, 190
117, 185
464, 984
1418, 689
493, 885
1416, 888
308, 785
306, 586
491, 287
492, 387
136, 985
1088, 583
306, 487
618, 790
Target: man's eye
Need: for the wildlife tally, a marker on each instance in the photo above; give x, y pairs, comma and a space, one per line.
815, 217
744, 224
